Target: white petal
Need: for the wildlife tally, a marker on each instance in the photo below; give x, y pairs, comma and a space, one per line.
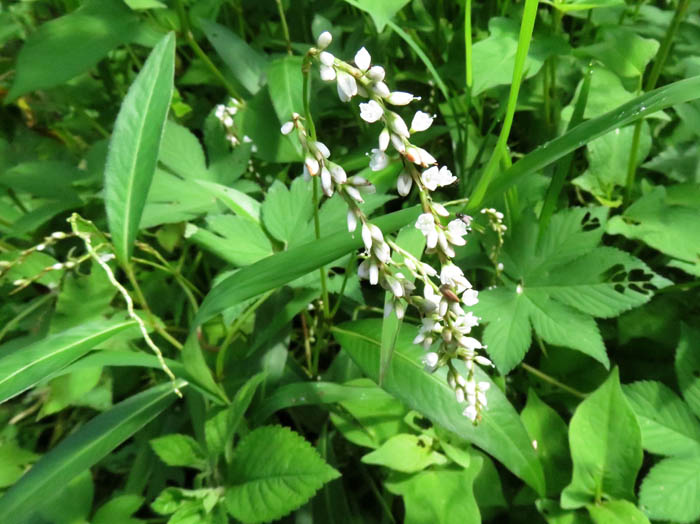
404, 183
326, 181
327, 73
312, 165
373, 274
287, 128
323, 149
327, 59
421, 121
399, 126
376, 73
366, 236
384, 137
339, 175
354, 194
399, 98
363, 59
347, 86
378, 160
381, 89
352, 221
371, 111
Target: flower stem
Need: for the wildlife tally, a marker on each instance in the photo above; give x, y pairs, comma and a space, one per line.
551, 380
285, 28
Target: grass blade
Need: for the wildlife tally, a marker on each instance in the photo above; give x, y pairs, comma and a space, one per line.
133, 149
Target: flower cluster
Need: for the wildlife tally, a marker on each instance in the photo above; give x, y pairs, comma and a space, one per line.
446, 325
225, 114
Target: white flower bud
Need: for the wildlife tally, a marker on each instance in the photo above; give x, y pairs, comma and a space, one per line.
373, 273
40, 247
376, 73
363, 59
323, 149
471, 413
440, 209
483, 361
384, 137
354, 194
327, 73
326, 181
347, 86
366, 236
327, 59
312, 165
399, 126
421, 121
459, 394
57, 266
338, 173
398, 143
352, 221
404, 183
400, 98
58, 235
378, 160
431, 360
324, 40
381, 89
287, 128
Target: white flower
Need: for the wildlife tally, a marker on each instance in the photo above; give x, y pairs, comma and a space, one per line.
322, 148
465, 322
373, 273
430, 178
398, 143
426, 224
312, 165
324, 40
453, 276
459, 394
366, 236
446, 177
354, 194
399, 98
469, 342
381, 89
363, 59
384, 138
287, 128
376, 73
470, 412
352, 221
398, 126
378, 160
426, 158
339, 175
327, 59
327, 73
347, 86
326, 181
440, 209
371, 111
421, 121
470, 297
431, 360
404, 183
227, 121
456, 229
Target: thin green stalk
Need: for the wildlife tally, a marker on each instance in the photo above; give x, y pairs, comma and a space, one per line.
551, 380
526, 28
185, 27
341, 293
468, 44
285, 28
652, 79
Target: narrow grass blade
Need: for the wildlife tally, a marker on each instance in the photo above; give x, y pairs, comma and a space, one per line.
133, 149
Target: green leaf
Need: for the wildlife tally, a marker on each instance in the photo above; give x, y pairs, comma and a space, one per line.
133, 149
671, 490
274, 471
145, 4
284, 80
236, 239
179, 450
285, 212
246, 64
381, 12
606, 447
439, 496
668, 426
687, 365
237, 201
666, 219
24, 368
500, 433
616, 512
567, 6
622, 51
640, 107
82, 449
67, 46
406, 453
494, 57
549, 434
119, 509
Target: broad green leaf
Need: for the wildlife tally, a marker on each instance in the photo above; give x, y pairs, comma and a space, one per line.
78, 388
671, 490
145, 4
560, 282
274, 471
179, 450
406, 453
666, 219
381, 12
49, 179
494, 57
82, 449
67, 46
616, 512
181, 153
500, 433
236, 239
687, 365
668, 426
284, 79
220, 429
83, 298
119, 509
237, 201
14, 461
549, 435
133, 150
285, 212
439, 496
622, 51
246, 64
606, 447
22, 369
608, 157
188, 506
554, 514
640, 107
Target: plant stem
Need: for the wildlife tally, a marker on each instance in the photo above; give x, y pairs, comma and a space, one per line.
657, 68
185, 27
285, 28
468, 43
551, 380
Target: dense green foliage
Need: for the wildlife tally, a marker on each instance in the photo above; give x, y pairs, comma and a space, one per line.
187, 330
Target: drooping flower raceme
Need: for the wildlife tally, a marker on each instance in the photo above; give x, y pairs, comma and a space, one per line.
440, 296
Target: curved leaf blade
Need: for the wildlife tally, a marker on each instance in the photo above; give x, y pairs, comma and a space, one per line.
26, 367
83, 449
500, 433
133, 149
